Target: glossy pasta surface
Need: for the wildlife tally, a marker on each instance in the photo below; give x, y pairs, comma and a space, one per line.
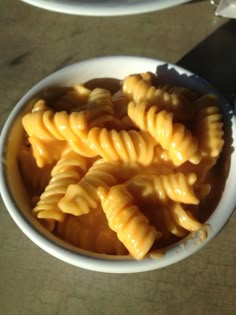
123, 171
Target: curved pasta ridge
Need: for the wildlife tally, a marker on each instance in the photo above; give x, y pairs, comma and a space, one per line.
68, 170
140, 90
82, 196
177, 187
128, 146
181, 145
91, 232
125, 218
100, 107
46, 153
184, 218
210, 128
48, 126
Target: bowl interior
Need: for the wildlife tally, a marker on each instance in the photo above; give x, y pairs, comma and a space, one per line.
17, 201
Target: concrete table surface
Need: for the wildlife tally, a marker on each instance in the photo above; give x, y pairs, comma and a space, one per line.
34, 43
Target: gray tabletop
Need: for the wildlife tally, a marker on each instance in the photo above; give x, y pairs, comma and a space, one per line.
35, 43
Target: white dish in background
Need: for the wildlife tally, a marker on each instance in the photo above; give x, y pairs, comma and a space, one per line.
116, 67
104, 7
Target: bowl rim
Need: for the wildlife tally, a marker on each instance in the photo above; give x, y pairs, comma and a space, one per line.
96, 262
104, 8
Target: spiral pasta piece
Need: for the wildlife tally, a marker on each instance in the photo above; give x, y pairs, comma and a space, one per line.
68, 170
120, 102
177, 187
45, 124
130, 146
82, 196
49, 126
46, 153
39, 105
100, 107
90, 232
210, 127
136, 88
125, 218
182, 91
184, 218
173, 137
170, 224
139, 90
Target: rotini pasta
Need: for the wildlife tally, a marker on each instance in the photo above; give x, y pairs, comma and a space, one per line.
40, 105
49, 126
177, 187
179, 90
173, 137
124, 145
174, 100
120, 101
46, 152
209, 127
81, 197
121, 170
136, 88
77, 231
125, 218
184, 218
67, 171
99, 107
170, 225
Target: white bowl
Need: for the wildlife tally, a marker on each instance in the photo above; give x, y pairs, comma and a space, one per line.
15, 198
104, 7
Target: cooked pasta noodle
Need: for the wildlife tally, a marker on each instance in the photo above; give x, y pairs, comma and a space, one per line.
182, 91
139, 90
81, 197
184, 218
99, 107
43, 124
173, 137
136, 88
176, 187
82, 92
121, 170
49, 126
120, 102
67, 171
167, 226
46, 152
77, 231
40, 105
134, 146
172, 226
210, 127
125, 218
